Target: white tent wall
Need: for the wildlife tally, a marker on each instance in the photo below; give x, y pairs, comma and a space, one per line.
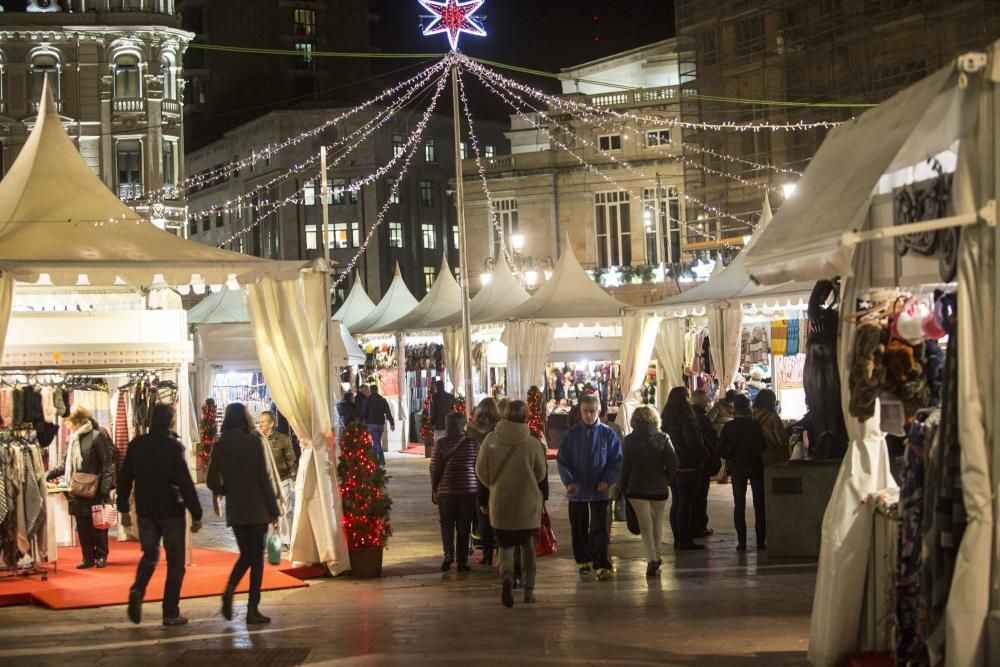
725, 329
637, 342
669, 346
454, 359
6, 303
528, 345
293, 357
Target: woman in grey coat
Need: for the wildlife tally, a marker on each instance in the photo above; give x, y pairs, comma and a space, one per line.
241, 470
649, 463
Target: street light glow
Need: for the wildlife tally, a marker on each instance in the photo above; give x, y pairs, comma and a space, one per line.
517, 240
788, 189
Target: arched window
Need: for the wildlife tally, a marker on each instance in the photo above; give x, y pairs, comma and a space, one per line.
169, 78
127, 77
45, 65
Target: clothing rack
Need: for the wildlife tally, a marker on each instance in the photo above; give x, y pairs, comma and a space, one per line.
25, 437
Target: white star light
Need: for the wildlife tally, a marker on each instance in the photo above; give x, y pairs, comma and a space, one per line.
453, 17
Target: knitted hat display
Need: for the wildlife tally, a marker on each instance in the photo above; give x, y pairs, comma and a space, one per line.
867, 370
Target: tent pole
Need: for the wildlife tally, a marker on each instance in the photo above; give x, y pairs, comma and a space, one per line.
463, 241
327, 287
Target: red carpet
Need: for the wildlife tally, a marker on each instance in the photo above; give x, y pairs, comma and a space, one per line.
70, 588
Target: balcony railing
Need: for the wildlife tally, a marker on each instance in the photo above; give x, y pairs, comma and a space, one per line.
634, 97
129, 190
35, 106
128, 105
172, 107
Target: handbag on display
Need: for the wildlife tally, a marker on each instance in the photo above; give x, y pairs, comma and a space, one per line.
104, 516
83, 485
274, 549
545, 541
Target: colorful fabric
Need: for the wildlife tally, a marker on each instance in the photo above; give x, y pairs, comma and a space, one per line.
121, 430
792, 345
779, 337
910, 647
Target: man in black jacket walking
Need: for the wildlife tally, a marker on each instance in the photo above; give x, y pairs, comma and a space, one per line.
376, 412
442, 404
743, 444
163, 490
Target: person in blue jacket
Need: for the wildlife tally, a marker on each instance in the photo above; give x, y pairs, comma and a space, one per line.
590, 460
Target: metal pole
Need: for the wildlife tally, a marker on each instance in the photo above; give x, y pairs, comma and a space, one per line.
659, 220
327, 306
462, 239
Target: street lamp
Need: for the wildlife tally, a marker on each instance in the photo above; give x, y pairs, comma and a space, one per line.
788, 189
517, 242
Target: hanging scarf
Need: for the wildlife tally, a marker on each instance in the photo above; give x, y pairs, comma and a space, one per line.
74, 453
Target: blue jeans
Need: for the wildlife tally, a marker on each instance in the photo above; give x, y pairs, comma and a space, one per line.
376, 431
172, 533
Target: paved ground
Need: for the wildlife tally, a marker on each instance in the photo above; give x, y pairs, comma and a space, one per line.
715, 607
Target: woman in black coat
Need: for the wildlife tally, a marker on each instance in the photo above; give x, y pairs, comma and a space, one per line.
90, 451
241, 471
679, 422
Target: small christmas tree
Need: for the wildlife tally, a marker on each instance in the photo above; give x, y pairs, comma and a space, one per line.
535, 413
426, 427
460, 406
362, 489
208, 431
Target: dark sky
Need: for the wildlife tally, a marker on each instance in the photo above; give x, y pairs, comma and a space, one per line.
542, 34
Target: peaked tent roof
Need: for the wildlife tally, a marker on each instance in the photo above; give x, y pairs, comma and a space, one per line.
397, 302
733, 282
58, 218
569, 294
356, 307
223, 321
500, 296
443, 298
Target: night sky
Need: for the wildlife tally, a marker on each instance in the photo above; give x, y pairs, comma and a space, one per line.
542, 34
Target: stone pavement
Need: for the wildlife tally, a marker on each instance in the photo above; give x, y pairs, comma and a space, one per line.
716, 607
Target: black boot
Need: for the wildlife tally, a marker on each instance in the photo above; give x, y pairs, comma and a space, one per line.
227, 603
254, 617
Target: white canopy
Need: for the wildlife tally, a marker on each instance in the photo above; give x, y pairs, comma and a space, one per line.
223, 322
805, 241
397, 302
443, 298
501, 295
356, 307
58, 218
569, 294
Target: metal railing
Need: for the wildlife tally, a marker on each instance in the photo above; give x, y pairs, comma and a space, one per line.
129, 190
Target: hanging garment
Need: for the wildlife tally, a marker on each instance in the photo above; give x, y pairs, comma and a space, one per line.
792, 339
48, 405
779, 337
821, 375
121, 429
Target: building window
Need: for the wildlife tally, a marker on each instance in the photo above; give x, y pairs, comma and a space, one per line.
194, 93
305, 22
463, 150
663, 231
610, 142
505, 211
426, 193
490, 150
455, 241
355, 235
309, 193
338, 195
655, 138
220, 220
428, 236
127, 77
169, 78
614, 232
395, 235
314, 236
305, 60
749, 35
709, 48
430, 273
170, 162
45, 65
339, 236
206, 222
394, 193
128, 162
397, 145
430, 151
193, 228
354, 191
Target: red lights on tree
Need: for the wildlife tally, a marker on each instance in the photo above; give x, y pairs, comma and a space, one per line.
208, 431
362, 490
536, 413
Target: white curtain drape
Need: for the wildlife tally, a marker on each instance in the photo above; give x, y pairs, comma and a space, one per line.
454, 359
289, 324
968, 608
639, 333
6, 303
847, 524
725, 323
669, 347
528, 345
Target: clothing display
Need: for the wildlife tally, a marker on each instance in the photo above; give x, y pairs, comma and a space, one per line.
821, 375
23, 498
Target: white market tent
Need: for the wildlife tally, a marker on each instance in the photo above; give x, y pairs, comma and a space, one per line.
492, 303
444, 297
840, 222
60, 225
356, 307
397, 302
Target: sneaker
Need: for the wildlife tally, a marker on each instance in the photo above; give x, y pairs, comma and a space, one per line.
586, 570
135, 606
507, 595
604, 574
176, 620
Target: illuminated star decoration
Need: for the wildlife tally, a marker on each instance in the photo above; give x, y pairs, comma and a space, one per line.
453, 17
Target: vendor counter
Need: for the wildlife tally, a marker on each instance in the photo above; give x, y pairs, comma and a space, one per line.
796, 495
